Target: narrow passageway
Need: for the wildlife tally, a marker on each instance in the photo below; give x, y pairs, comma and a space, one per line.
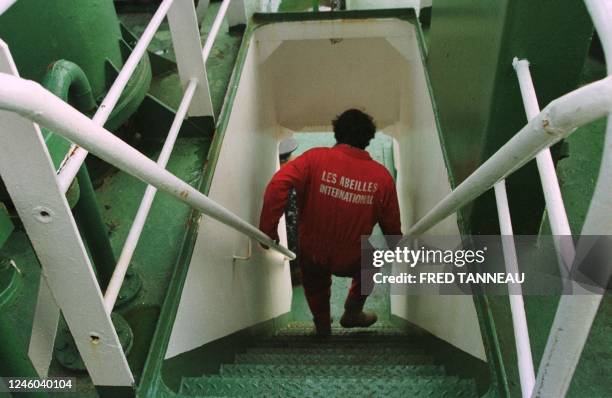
383, 360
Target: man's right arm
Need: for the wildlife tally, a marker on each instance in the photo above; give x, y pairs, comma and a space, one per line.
291, 175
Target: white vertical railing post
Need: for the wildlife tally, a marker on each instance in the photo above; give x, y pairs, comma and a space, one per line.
236, 15
30, 179
517, 306
555, 208
188, 49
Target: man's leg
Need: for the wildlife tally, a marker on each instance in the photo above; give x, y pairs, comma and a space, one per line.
354, 316
317, 288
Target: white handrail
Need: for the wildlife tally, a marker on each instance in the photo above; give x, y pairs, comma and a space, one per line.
555, 208
33, 102
5, 5
214, 29
559, 119
114, 285
517, 306
76, 156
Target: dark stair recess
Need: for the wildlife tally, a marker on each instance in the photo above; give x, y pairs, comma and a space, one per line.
381, 361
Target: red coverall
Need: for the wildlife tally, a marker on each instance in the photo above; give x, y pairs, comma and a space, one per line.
341, 194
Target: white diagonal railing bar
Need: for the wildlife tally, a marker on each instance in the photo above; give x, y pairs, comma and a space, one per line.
517, 306
558, 120
214, 29
576, 313
557, 216
114, 285
42, 207
5, 5
196, 101
33, 102
76, 155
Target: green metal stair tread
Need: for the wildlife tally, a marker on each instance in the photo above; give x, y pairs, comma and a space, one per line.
329, 386
336, 350
355, 335
192, 395
306, 330
330, 370
379, 326
335, 359
339, 331
344, 343
352, 332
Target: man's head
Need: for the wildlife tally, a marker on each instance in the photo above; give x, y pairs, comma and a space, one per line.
354, 128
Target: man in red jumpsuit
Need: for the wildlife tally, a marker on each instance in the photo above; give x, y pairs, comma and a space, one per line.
341, 194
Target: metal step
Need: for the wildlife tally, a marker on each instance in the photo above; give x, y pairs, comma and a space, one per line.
362, 358
449, 387
307, 327
367, 351
342, 332
341, 341
354, 371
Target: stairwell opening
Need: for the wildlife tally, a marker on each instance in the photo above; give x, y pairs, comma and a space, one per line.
294, 78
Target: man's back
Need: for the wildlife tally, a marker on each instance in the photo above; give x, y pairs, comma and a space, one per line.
342, 193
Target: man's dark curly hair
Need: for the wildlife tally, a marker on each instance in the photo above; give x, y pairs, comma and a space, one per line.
355, 128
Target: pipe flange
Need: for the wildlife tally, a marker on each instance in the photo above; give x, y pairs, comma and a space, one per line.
66, 351
130, 288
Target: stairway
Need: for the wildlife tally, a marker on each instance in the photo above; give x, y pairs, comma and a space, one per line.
374, 362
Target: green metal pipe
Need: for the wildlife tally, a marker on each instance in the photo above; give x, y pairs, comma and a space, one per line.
87, 33
315, 5
67, 80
